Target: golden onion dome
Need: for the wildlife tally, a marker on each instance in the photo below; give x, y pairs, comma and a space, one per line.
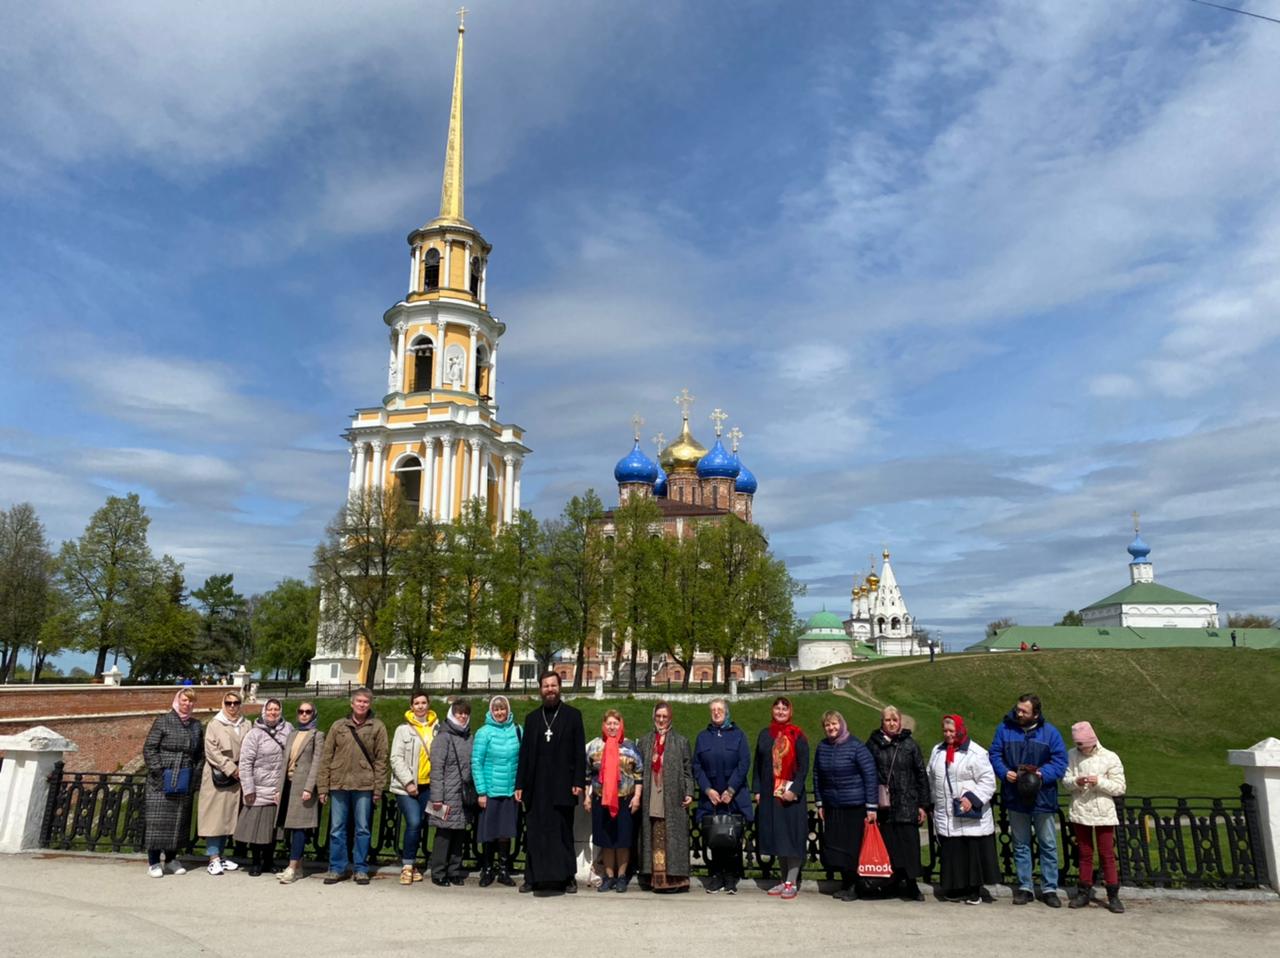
683, 453
873, 582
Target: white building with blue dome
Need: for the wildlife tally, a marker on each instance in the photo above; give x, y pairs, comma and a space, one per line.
1145, 603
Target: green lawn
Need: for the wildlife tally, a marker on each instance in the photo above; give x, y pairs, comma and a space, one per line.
1171, 714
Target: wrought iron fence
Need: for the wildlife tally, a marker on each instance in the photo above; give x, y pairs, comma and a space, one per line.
339, 690
1160, 842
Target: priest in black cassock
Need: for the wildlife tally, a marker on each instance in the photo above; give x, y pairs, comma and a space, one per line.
549, 780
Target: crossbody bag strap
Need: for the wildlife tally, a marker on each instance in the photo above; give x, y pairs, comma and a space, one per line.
367, 757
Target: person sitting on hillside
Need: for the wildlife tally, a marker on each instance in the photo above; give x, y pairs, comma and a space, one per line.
1030, 758
1094, 777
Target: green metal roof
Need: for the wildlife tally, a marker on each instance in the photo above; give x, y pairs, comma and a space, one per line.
824, 620
1115, 637
1148, 593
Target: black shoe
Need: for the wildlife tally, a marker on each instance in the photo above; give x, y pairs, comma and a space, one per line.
1052, 900
1023, 897
504, 878
620, 884
847, 894
986, 896
525, 888
487, 877
911, 892
1114, 905
440, 882
606, 884
713, 884
974, 899
1081, 898
731, 885
254, 870
571, 887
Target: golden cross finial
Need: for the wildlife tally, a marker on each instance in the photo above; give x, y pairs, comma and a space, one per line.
637, 421
735, 436
660, 440
1135, 522
462, 19
718, 417
685, 401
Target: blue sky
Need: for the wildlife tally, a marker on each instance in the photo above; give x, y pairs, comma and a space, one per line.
976, 280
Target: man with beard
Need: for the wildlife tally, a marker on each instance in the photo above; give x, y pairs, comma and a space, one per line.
549, 780
1029, 757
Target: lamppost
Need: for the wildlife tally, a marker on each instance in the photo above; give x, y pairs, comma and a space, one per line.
35, 657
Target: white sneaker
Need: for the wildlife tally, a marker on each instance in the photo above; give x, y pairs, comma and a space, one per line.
229, 866
177, 868
215, 866
155, 871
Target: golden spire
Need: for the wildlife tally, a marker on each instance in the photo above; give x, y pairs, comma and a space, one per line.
451, 185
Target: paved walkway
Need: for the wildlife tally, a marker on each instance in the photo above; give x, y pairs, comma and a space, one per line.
103, 906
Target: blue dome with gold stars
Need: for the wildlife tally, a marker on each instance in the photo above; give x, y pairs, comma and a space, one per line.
635, 466
719, 463
746, 479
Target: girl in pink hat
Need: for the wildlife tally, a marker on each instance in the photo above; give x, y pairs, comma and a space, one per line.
1094, 777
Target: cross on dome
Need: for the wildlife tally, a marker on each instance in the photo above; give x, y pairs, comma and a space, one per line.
660, 440
637, 421
685, 402
462, 19
718, 417
1136, 527
735, 436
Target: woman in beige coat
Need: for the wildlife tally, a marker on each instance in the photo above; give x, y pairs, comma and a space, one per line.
300, 808
219, 807
1094, 777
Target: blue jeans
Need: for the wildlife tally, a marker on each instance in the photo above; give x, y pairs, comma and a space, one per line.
214, 845
412, 809
1046, 825
297, 844
342, 805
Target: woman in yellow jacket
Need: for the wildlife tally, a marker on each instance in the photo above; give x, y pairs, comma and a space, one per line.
1094, 777
411, 778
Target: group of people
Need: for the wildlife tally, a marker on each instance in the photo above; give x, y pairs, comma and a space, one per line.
270, 776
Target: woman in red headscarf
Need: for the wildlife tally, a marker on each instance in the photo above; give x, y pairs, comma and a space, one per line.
616, 769
777, 785
962, 783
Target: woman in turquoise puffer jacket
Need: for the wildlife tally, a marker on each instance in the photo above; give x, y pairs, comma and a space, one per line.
494, 757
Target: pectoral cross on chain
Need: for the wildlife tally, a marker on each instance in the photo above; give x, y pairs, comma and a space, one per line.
547, 733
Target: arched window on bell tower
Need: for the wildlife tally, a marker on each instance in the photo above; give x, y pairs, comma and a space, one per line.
423, 357
475, 276
408, 473
431, 278
482, 371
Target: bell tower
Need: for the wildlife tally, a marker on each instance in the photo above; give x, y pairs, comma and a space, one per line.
436, 435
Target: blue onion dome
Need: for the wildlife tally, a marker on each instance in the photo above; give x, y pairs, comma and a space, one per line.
746, 479
719, 463
635, 466
1139, 549
660, 484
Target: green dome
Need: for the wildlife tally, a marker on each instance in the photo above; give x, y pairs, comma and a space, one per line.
824, 620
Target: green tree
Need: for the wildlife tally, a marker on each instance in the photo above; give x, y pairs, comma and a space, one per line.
284, 623
1071, 618
100, 569
470, 610
414, 621
574, 586
749, 593
25, 587
686, 612
634, 581
517, 569
162, 629
224, 624
355, 567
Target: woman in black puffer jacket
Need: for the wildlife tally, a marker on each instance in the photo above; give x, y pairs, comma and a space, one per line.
900, 767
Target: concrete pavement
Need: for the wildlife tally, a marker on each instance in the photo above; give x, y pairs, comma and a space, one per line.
107, 906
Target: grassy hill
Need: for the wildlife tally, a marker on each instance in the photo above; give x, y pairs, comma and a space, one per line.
1171, 714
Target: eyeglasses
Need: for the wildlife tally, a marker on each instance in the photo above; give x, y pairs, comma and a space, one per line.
306, 711
231, 703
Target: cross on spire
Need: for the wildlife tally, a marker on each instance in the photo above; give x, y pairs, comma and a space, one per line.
462, 19
1135, 522
637, 421
660, 440
735, 436
685, 402
718, 417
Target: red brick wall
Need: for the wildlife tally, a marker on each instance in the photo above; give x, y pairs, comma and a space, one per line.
89, 716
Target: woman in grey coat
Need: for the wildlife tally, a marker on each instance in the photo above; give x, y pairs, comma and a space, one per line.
667, 794
262, 778
453, 794
173, 752
299, 807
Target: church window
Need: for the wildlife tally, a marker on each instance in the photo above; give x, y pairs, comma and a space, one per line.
482, 371
475, 276
431, 278
423, 357
880, 625
606, 640
896, 623
408, 474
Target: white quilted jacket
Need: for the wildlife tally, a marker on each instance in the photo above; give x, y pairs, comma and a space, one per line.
1094, 804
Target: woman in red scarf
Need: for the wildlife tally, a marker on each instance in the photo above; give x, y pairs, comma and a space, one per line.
616, 769
668, 793
777, 784
961, 784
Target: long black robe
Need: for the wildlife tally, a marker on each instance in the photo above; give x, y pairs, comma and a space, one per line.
548, 771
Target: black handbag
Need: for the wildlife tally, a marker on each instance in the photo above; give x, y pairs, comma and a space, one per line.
220, 778
723, 831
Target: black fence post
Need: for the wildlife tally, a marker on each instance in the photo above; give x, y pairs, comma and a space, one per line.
1249, 805
50, 803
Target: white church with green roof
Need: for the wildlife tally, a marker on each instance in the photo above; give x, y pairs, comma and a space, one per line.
1146, 604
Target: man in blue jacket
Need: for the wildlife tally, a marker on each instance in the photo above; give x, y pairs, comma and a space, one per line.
1026, 743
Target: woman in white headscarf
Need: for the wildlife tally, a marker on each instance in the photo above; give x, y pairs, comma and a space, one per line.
219, 807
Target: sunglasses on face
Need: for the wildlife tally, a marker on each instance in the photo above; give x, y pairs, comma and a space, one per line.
306, 711
231, 703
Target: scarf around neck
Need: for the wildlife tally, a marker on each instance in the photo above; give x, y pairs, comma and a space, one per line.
784, 750
610, 765
426, 732
961, 737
